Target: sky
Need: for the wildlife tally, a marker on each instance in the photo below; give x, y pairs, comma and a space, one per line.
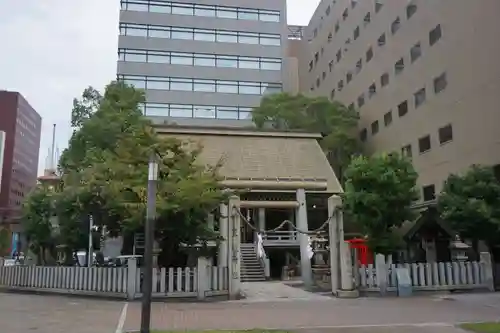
51, 50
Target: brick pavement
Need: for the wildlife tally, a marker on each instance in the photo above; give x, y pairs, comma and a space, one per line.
21, 313
310, 313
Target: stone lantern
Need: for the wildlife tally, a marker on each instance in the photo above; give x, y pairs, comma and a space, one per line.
459, 249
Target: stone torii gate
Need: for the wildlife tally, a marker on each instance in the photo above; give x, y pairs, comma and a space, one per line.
340, 257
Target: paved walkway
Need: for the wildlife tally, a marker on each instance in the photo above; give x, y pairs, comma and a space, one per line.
316, 314
57, 314
276, 291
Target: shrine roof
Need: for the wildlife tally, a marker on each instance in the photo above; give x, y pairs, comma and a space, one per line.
249, 154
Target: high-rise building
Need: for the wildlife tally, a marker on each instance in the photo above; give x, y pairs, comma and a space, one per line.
203, 62
22, 127
423, 74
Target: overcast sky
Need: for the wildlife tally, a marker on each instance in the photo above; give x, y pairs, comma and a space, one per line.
50, 50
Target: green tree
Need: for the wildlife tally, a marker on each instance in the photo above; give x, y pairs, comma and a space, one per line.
336, 122
104, 172
470, 204
378, 194
37, 214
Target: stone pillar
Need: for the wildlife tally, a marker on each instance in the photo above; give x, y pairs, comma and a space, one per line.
487, 270
234, 248
334, 202
305, 261
223, 229
262, 219
347, 286
203, 277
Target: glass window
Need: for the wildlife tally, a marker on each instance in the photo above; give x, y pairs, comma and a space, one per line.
274, 65
138, 7
134, 31
160, 84
181, 84
205, 60
156, 110
159, 58
136, 57
160, 8
247, 62
159, 33
424, 144
200, 10
223, 61
415, 52
204, 85
445, 134
204, 35
136, 82
121, 55
245, 113
227, 37
182, 9
181, 58
249, 88
440, 83
248, 14
270, 40
182, 34
435, 35
227, 87
269, 16
248, 39
225, 112
225, 12
179, 110
204, 111
419, 97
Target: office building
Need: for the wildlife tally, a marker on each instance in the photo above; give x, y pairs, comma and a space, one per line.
203, 62
22, 127
424, 76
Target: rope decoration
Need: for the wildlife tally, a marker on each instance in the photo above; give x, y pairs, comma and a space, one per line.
282, 224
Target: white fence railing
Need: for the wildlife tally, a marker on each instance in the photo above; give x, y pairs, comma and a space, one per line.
427, 276
201, 281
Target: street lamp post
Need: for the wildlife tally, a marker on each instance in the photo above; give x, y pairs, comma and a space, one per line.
148, 250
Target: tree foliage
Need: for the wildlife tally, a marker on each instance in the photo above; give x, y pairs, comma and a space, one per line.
37, 213
336, 122
470, 204
104, 173
378, 194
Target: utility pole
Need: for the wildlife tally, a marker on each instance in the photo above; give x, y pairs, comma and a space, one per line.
148, 250
90, 257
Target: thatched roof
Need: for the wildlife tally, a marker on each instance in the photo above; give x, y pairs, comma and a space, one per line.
248, 154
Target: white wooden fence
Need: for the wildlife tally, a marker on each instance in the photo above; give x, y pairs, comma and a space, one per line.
201, 281
441, 276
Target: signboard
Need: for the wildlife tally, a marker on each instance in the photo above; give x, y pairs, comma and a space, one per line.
2, 150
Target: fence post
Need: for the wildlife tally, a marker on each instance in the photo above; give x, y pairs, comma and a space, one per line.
132, 288
487, 270
381, 271
202, 277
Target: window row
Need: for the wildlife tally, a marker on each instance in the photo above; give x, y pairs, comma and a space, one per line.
197, 111
377, 7
419, 97
445, 135
206, 35
156, 6
199, 59
399, 66
202, 85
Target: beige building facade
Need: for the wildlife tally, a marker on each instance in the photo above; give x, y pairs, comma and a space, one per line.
424, 75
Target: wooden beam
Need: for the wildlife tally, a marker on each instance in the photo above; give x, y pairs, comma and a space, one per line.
269, 204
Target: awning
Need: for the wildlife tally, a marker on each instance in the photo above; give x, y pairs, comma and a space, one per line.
257, 157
